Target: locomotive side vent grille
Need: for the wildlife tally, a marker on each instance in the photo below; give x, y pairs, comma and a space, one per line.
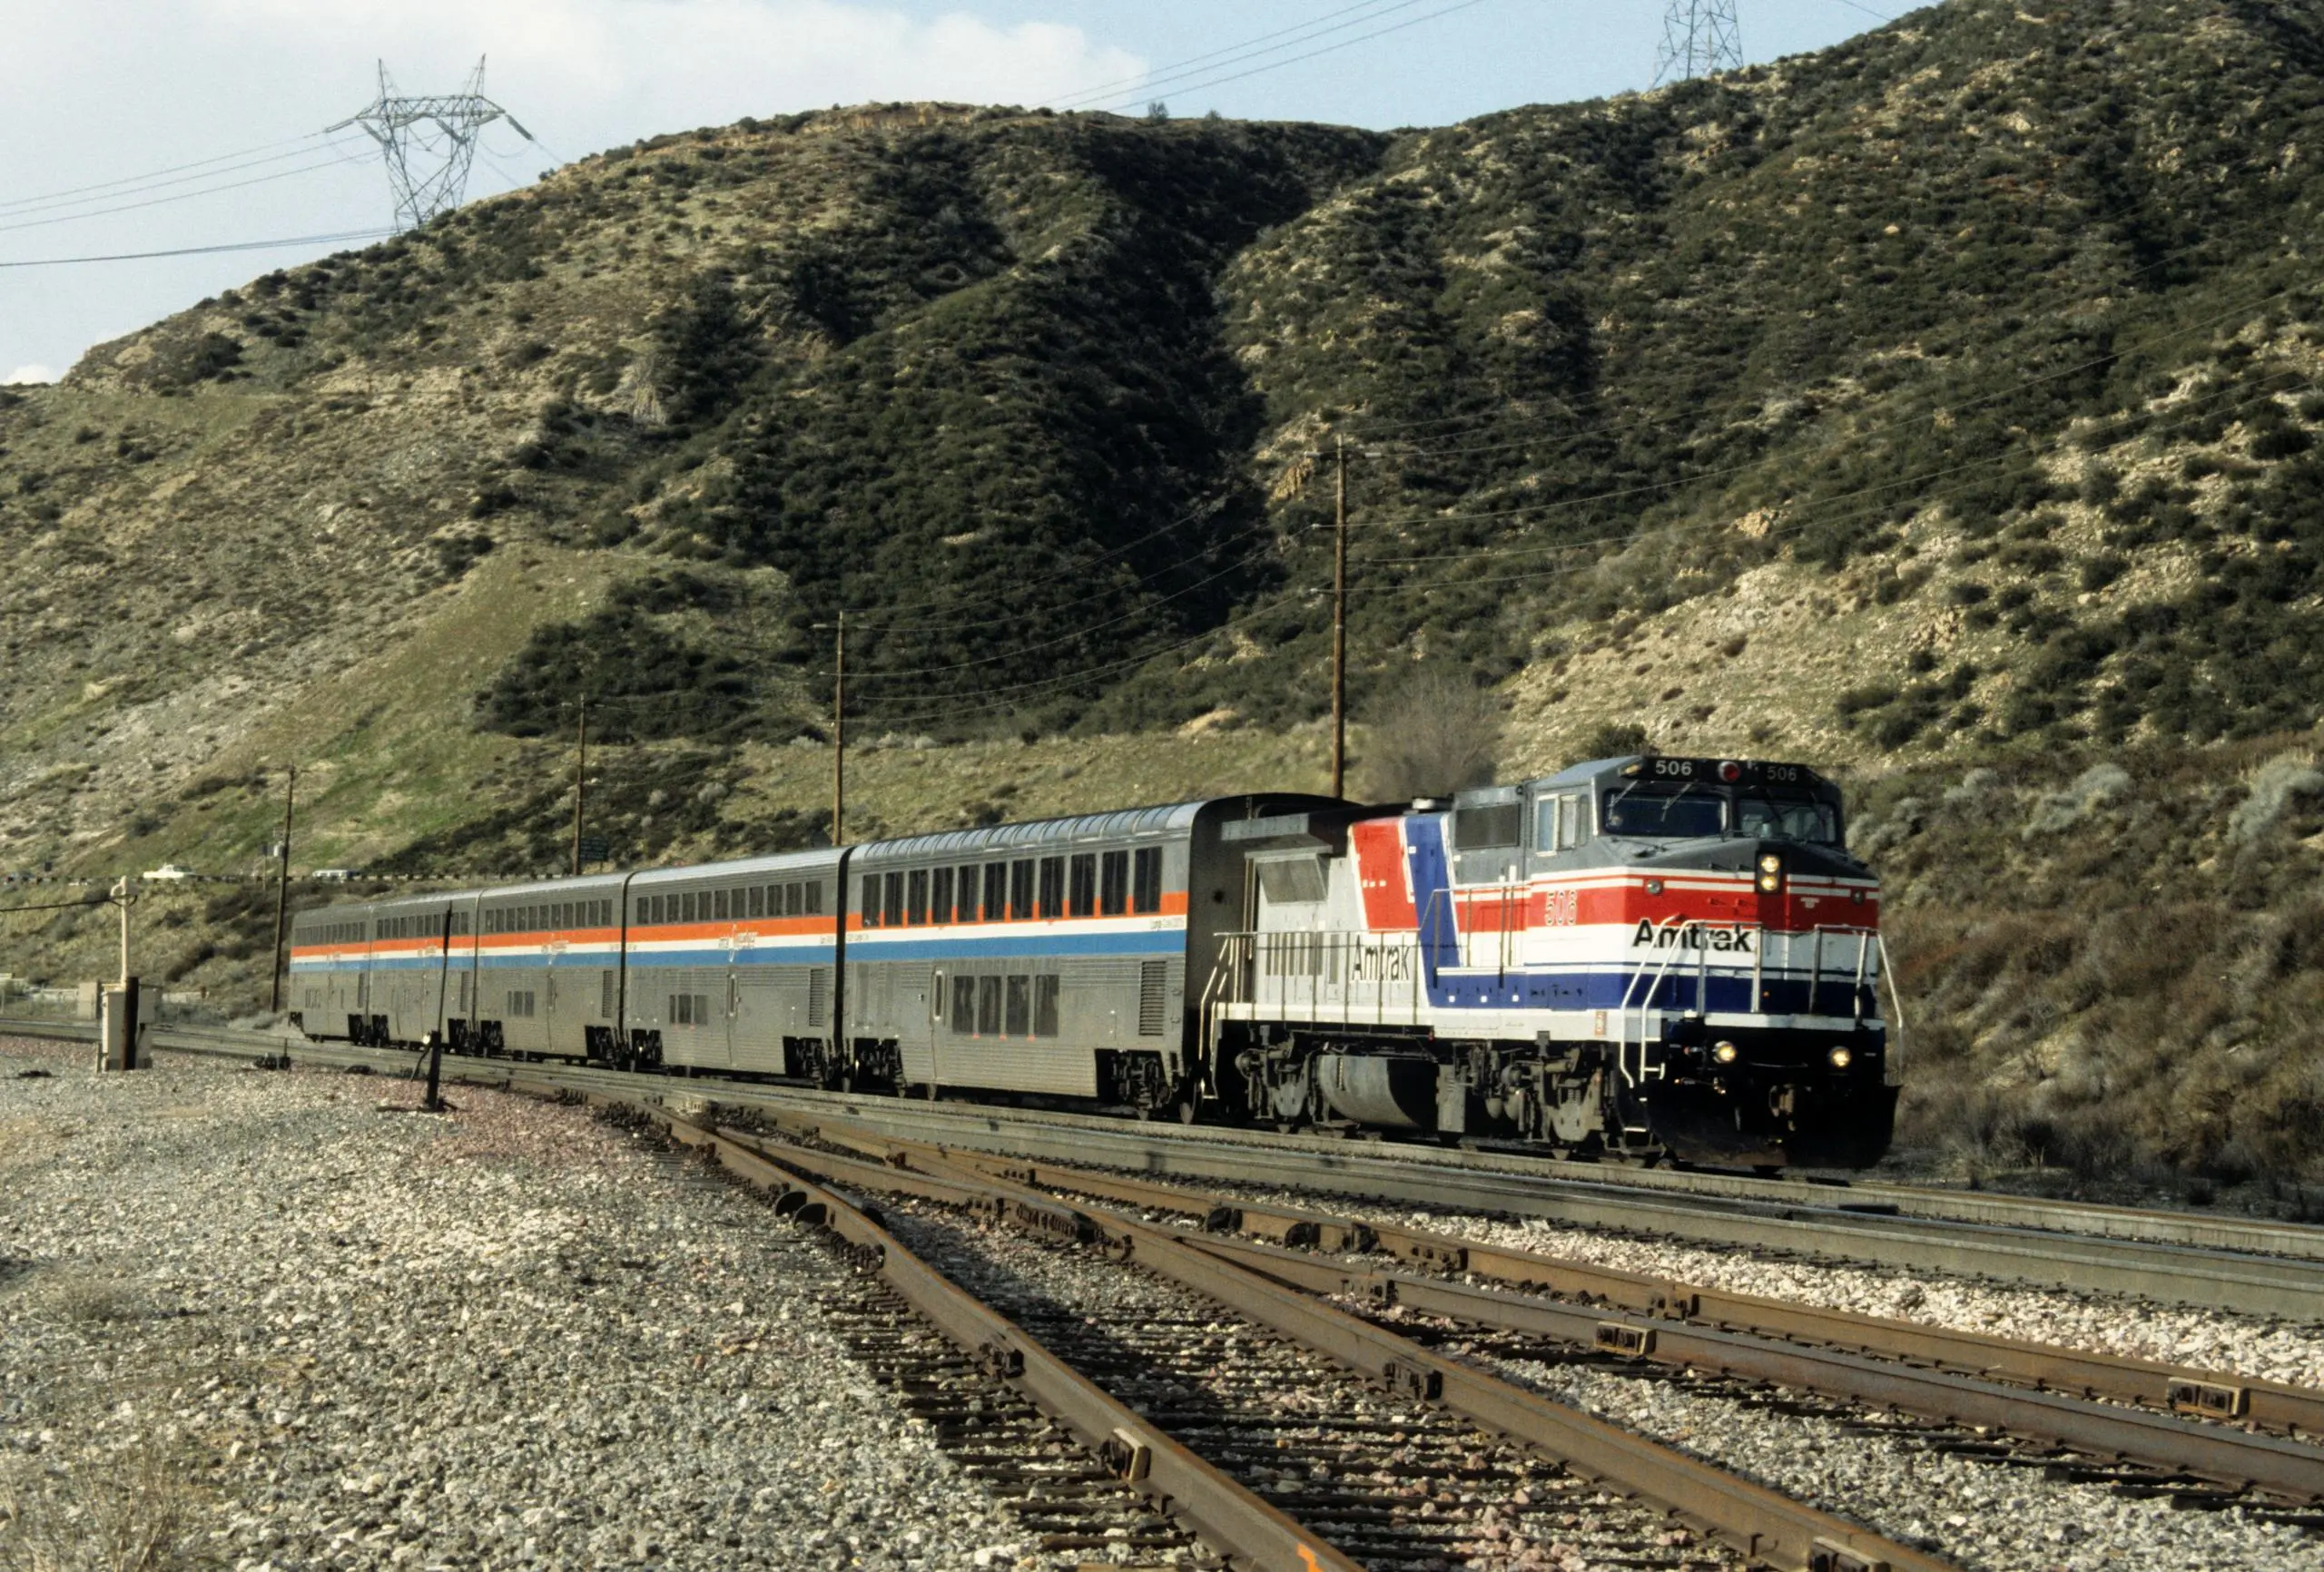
1153, 997
819, 996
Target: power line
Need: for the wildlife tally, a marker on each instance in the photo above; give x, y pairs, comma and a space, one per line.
1314, 53
164, 201
1617, 494
1251, 48
141, 184
939, 708
154, 174
206, 250
1104, 89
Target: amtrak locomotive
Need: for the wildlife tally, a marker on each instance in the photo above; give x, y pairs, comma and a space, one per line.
1647, 957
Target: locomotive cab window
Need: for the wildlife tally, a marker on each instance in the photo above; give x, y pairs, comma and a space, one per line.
1782, 819
1673, 812
1559, 821
1292, 880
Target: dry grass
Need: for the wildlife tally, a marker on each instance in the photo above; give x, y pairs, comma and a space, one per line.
116, 1514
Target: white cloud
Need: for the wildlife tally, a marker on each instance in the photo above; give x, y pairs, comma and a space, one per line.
27, 377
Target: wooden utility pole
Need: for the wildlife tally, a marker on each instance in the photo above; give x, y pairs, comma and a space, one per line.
839, 736
282, 887
580, 783
1339, 630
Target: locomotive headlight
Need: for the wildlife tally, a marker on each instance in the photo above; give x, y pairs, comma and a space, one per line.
1770, 871
1841, 1057
1725, 1053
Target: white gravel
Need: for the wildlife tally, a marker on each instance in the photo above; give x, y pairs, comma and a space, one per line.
1982, 1516
2251, 1346
253, 1313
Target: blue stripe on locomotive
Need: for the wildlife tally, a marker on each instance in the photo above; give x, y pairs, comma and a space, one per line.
1453, 987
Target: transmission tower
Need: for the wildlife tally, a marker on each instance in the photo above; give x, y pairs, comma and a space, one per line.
1698, 37
428, 143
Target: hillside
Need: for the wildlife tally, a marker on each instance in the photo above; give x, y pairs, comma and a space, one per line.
1941, 409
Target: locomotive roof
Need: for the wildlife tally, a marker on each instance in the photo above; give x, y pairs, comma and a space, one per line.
1711, 771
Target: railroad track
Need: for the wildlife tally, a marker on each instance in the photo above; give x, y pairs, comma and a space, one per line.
1313, 1293
1286, 1430
2205, 1440
2287, 1285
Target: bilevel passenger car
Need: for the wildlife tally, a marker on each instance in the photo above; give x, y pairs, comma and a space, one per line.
1651, 957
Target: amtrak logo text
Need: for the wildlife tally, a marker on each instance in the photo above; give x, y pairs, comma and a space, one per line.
1691, 936
1382, 963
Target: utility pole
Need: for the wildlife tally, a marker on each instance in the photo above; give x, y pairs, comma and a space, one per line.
1339, 629
282, 887
580, 783
839, 736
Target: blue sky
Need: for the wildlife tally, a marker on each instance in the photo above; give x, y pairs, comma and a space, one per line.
103, 91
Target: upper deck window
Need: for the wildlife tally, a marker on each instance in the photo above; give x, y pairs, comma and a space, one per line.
1145, 880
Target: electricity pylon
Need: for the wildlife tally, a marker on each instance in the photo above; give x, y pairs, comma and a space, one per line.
1698, 37
428, 143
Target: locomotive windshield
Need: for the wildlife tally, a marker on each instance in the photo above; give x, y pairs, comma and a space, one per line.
1698, 810
1681, 813
1787, 818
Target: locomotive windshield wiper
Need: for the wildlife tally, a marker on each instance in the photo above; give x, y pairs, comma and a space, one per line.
1666, 798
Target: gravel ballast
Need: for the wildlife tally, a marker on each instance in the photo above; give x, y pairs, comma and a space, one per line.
2205, 1340
1983, 1517
256, 1314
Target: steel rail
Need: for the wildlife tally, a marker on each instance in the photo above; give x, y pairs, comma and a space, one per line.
1759, 1522
1230, 1517
2153, 1226
2239, 1460
2234, 1458
2275, 1406
2264, 1285
2248, 1284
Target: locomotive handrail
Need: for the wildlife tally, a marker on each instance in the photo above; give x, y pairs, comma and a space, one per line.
1622, 1045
